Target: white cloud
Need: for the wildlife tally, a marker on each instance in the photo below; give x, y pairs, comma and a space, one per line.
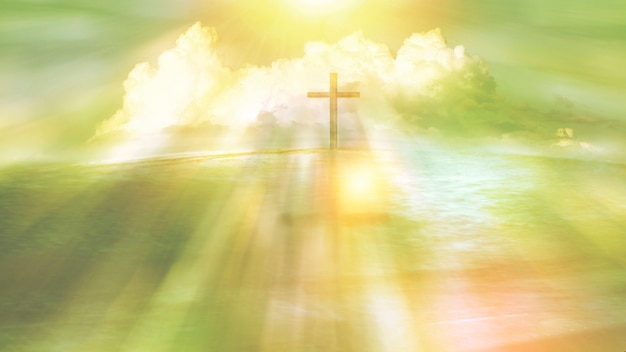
191, 86
428, 86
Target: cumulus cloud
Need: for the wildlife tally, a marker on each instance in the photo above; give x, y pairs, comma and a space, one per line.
427, 86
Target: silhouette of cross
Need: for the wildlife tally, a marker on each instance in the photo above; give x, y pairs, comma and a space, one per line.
333, 94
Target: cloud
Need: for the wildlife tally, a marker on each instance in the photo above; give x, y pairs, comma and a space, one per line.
427, 87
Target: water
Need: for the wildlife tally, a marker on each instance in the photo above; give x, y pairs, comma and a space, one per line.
505, 197
400, 250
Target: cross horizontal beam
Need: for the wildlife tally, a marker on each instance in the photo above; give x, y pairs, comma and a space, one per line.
333, 94
339, 95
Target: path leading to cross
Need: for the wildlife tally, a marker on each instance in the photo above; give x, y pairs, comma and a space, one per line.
333, 94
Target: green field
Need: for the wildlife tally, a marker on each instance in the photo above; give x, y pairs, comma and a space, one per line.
424, 250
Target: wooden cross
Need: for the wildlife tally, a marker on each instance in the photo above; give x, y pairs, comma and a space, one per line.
333, 94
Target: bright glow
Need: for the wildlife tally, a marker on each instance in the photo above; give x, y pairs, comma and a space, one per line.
361, 188
359, 182
317, 3
319, 7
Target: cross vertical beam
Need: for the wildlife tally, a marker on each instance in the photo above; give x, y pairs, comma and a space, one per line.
333, 111
333, 94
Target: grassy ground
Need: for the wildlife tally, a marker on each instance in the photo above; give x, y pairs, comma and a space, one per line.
286, 252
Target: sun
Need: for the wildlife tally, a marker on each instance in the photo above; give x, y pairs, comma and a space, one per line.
317, 7
317, 3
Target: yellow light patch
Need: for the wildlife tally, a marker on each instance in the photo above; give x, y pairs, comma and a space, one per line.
361, 189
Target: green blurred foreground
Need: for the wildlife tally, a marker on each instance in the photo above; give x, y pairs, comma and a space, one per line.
425, 250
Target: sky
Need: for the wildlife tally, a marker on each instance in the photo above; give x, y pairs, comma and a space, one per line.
63, 64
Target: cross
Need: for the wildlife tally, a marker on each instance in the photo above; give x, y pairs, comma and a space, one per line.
333, 94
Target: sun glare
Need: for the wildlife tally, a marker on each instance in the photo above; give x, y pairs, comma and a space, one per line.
317, 3
316, 7
362, 189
